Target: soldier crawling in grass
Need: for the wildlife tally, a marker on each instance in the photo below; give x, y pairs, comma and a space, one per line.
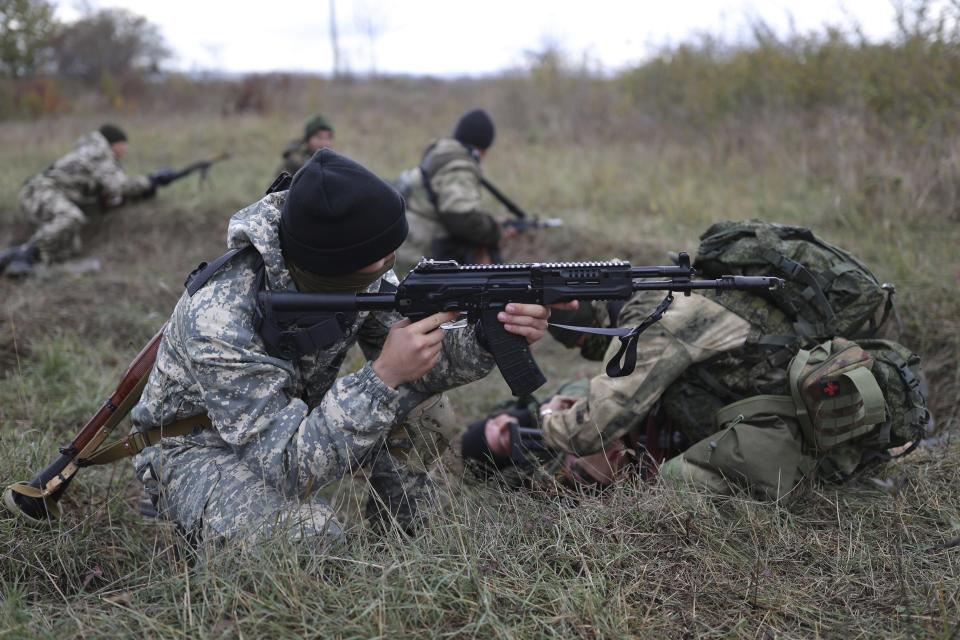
722, 389
54, 201
443, 193
281, 424
317, 134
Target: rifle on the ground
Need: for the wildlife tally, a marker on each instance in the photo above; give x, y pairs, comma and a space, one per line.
481, 291
523, 220
163, 177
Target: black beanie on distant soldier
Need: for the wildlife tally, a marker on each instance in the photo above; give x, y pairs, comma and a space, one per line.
113, 133
317, 123
339, 217
475, 128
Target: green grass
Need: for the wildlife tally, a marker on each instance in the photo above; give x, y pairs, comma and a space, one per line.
861, 561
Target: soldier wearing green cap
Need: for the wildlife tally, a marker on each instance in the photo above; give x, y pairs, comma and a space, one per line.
55, 200
317, 134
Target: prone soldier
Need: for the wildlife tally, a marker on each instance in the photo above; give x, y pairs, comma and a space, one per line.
54, 200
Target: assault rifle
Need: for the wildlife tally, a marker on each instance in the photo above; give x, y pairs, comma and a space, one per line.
163, 177
522, 220
481, 291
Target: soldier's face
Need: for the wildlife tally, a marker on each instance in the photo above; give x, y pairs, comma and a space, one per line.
497, 433
320, 140
119, 149
376, 266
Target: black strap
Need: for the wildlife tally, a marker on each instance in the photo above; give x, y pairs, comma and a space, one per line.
624, 361
282, 182
813, 294
199, 276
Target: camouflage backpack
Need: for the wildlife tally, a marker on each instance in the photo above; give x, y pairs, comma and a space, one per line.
829, 292
853, 402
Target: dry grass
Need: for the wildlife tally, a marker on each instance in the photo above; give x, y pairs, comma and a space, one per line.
861, 561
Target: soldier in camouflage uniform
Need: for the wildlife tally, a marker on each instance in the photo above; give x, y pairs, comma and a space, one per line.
443, 193
284, 426
88, 177
317, 134
703, 354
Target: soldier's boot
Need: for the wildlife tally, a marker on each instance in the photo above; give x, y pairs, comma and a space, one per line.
21, 262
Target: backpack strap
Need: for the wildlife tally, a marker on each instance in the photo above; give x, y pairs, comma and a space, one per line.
206, 270
755, 405
813, 293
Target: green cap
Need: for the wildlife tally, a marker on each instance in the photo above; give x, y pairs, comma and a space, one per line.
113, 133
318, 123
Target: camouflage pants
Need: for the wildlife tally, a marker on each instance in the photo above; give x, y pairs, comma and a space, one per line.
211, 492
58, 220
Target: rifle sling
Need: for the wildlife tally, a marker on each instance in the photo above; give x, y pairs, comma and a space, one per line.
137, 441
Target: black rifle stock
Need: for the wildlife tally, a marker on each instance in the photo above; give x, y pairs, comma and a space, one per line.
481, 291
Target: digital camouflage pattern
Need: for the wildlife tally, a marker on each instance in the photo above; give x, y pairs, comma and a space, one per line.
456, 221
295, 155
282, 429
89, 176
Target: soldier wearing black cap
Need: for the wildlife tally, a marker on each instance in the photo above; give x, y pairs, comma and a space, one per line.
443, 193
54, 201
282, 424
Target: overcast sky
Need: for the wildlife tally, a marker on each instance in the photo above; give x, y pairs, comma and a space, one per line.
454, 37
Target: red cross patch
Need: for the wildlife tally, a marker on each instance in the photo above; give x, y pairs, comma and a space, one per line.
830, 388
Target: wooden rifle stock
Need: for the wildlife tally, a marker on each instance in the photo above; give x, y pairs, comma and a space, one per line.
37, 499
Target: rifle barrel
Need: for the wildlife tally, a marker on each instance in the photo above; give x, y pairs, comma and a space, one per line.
764, 283
290, 301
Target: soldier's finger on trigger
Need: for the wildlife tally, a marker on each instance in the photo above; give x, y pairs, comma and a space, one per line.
432, 323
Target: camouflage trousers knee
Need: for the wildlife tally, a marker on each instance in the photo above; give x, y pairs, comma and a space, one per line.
57, 220
210, 492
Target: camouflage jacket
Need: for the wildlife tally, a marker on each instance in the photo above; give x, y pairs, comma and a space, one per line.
455, 181
694, 330
295, 155
90, 175
287, 420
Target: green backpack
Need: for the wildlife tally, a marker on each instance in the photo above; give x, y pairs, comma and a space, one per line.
851, 401
829, 292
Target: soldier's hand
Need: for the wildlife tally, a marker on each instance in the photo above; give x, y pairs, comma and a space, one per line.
529, 320
411, 349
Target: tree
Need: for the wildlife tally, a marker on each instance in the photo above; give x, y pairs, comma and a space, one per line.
109, 43
26, 28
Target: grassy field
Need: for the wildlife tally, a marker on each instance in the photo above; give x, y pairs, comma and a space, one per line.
870, 559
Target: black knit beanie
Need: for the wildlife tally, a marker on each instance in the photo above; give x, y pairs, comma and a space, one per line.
475, 128
339, 217
113, 133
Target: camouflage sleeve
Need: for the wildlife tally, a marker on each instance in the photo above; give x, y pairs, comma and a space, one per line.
115, 185
246, 394
693, 330
295, 155
459, 206
462, 360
